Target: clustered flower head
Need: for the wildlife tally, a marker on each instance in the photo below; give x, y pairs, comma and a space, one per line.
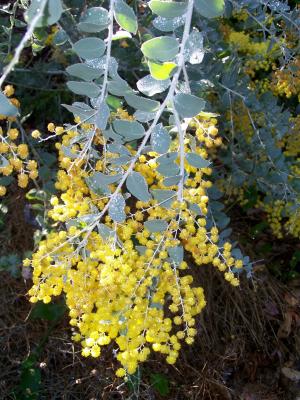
129, 282
13, 154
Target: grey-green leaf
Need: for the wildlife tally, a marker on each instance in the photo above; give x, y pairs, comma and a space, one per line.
83, 71
160, 139
51, 15
143, 116
81, 110
168, 24
119, 87
188, 105
6, 108
176, 254
84, 88
164, 197
102, 116
196, 160
116, 209
94, 20
130, 130
172, 180
163, 48
142, 103
150, 86
99, 182
156, 225
125, 16
194, 51
137, 186
89, 48
210, 8
168, 9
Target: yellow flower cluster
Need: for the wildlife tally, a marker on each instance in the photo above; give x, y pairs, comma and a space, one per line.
206, 131
14, 156
286, 82
125, 282
291, 142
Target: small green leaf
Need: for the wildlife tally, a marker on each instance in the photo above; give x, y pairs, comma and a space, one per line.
49, 312
168, 9
84, 88
116, 208
160, 139
188, 105
161, 72
156, 225
89, 48
6, 108
210, 8
196, 160
142, 103
83, 71
125, 16
95, 19
161, 383
137, 185
163, 48
129, 129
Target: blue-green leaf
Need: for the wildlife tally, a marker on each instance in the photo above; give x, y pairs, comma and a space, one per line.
95, 19
196, 160
137, 185
83, 71
150, 86
119, 87
129, 129
81, 110
168, 24
164, 197
52, 12
142, 103
172, 180
116, 209
194, 51
89, 48
98, 182
156, 225
176, 254
84, 88
102, 116
6, 108
188, 105
160, 139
